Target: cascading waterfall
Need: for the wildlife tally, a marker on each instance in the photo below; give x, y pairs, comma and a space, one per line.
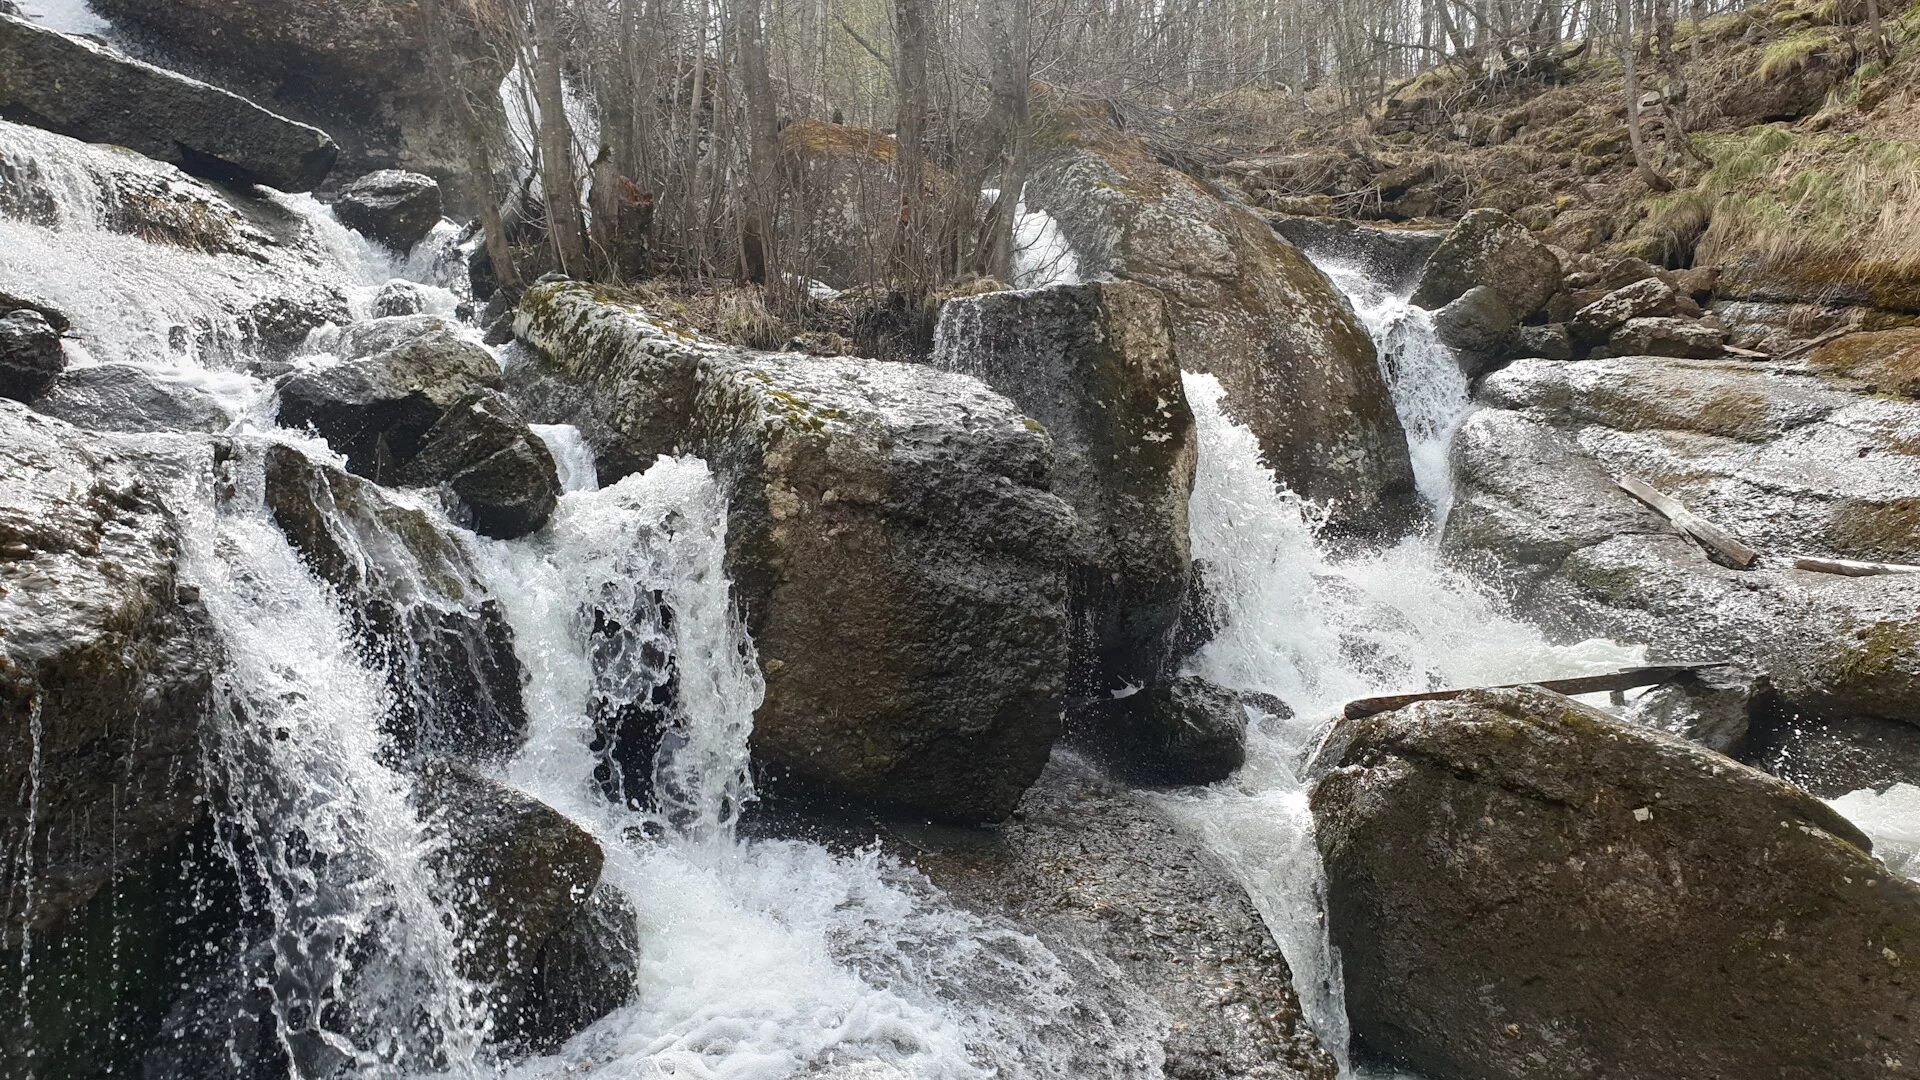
1317, 629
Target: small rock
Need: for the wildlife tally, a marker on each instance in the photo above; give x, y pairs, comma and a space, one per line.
30, 354
1489, 248
1478, 327
391, 207
1716, 708
1549, 342
1184, 730
398, 298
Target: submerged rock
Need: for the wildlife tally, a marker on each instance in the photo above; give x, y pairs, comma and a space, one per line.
131, 398
105, 664
1489, 248
1096, 365
1298, 368
903, 571
1520, 886
72, 86
30, 354
390, 207
1140, 912
417, 606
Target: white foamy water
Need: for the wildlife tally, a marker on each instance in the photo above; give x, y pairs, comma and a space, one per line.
571, 456
66, 16
1318, 630
1891, 819
760, 959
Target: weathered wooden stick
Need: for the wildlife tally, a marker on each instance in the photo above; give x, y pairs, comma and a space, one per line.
1851, 567
1712, 537
1744, 354
1814, 343
1625, 679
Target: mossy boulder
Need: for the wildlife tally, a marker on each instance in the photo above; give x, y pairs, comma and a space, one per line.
1886, 360
1521, 886
1298, 367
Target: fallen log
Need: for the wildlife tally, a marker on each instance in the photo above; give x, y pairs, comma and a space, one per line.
1716, 540
1851, 567
1624, 679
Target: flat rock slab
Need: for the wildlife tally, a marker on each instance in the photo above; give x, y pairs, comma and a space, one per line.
77, 88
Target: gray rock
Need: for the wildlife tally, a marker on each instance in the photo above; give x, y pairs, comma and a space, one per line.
104, 664
378, 409
1830, 756
1719, 708
502, 473
1478, 326
1489, 248
30, 354
72, 86
1143, 914
903, 570
130, 398
370, 337
840, 202
416, 604
519, 874
1392, 257
1549, 342
1520, 886
1643, 299
589, 967
1299, 369
1667, 337
1182, 730
391, 207
1096, 365
399, 298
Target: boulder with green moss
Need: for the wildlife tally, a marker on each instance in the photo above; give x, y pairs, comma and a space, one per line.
1298, 367
1886, 360
1522, 887
840, 202
903, 569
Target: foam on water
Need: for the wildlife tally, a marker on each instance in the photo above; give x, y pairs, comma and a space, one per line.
1891, 819
571, 456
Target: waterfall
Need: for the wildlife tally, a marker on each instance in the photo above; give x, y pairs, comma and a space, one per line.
1317, 629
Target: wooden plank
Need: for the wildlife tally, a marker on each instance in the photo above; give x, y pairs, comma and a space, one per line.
1814, 343
1624, 679
1744, 354
1851, 567
1716, 540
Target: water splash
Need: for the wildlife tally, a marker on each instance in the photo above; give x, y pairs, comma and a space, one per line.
1891, 819
571, 456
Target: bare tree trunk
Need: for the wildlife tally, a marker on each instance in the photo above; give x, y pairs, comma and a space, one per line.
757, 239
1630, 65
1882, 47
910, 131
559, 180
476, 142
1012, 77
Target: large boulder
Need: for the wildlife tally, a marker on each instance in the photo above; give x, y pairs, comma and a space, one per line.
1096, 365
105, 664
1298, 367
1489, 248
77, 88
417, 605
1522, 887
841, 201
501, 473
1478, 326
30, 354
376, 410
1644, 299
132, 398
1680, 338
1143, 915
903, 570
1886, 360
1773, 457
391, 207
366, 70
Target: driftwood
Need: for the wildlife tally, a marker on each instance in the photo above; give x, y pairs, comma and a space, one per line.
1625, 679
1814, 343
1851, 567
1716, 540
1744, 354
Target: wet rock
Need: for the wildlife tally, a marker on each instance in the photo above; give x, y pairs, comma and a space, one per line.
1602, 896
1392, 257
1182, 730
1549, 342
1298, 368
72, 86
1681, 338
390, 207
377, 410
589, 967
903, 570
131, 398
520, 875
1772, 457
1647, 298
399, 298
1489, 248
15, 301
1886, 360
1478, 326
105, 664
501, 472
416, 603
1830, 756
1095, 364
30, 354
1141, 912
361, 69
1719, 708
